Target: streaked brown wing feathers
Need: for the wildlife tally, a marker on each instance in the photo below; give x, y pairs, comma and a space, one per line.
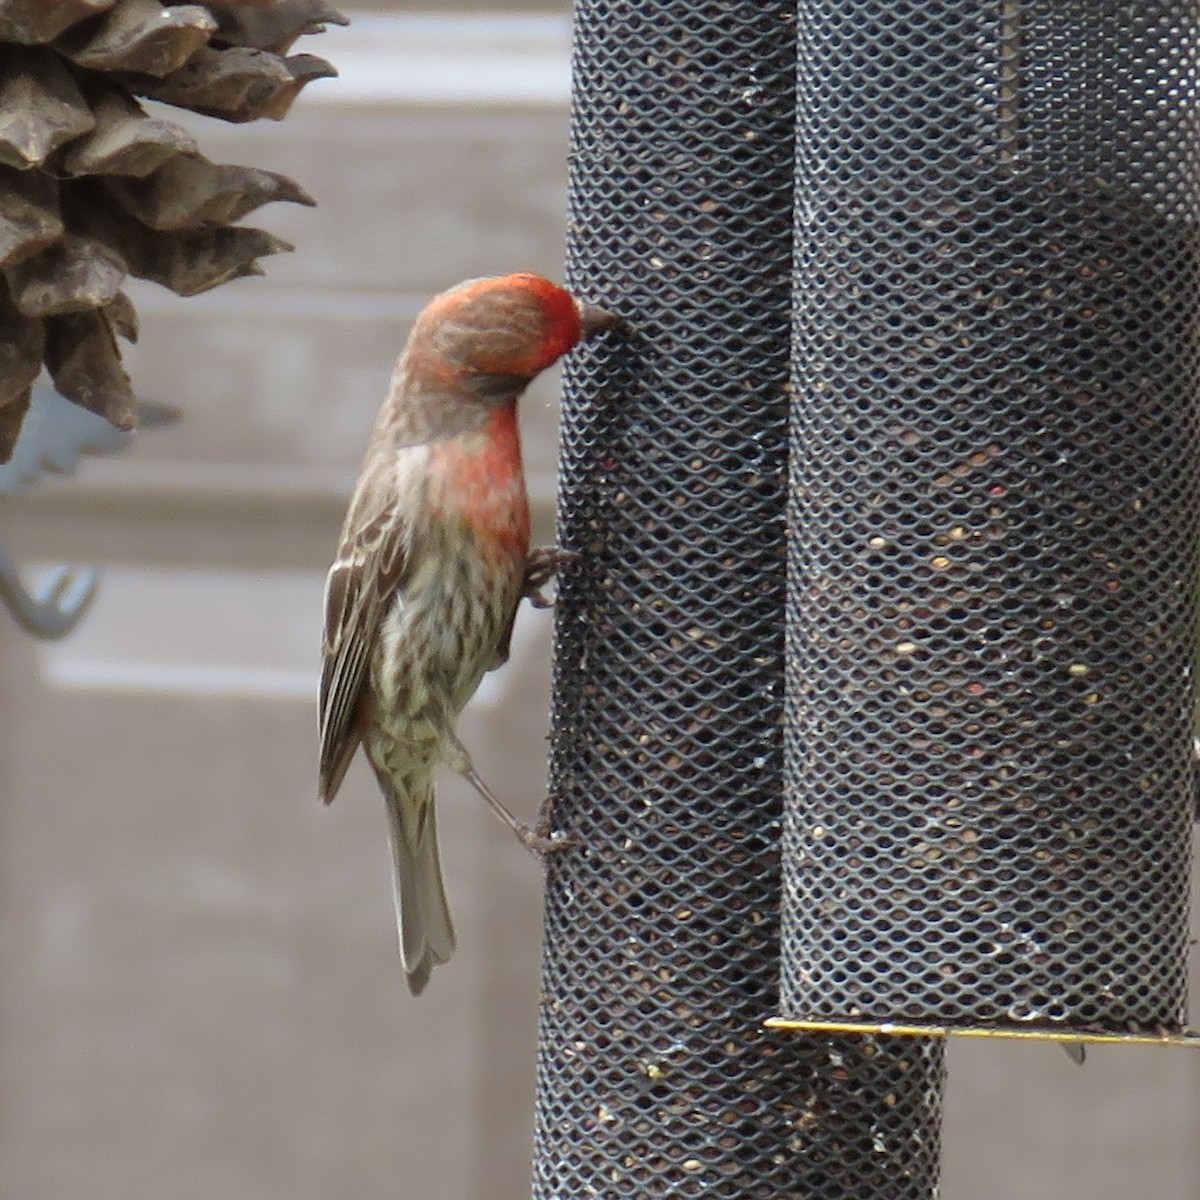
368, 569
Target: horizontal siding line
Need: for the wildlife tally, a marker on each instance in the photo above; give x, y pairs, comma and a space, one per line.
453, 59
127, 480
106, 675
278, 302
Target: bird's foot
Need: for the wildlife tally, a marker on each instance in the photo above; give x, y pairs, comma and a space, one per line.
541, 844
542, 565
542, 839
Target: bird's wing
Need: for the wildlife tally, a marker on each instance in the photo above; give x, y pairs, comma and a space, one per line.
369, 568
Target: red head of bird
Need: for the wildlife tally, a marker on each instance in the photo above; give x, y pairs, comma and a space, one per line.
489, 337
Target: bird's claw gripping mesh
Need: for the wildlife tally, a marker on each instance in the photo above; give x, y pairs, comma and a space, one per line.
994, 504
655, 1076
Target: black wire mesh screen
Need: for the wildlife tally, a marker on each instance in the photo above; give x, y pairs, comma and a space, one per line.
994, 503
655, 1076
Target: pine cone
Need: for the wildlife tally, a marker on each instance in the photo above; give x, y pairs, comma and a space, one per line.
93, 189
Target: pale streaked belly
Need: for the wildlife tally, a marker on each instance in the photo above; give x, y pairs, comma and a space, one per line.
439, 637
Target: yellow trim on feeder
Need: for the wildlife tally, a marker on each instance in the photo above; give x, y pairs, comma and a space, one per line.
1040, 1033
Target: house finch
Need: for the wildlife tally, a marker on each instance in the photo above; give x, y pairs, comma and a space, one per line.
433, 560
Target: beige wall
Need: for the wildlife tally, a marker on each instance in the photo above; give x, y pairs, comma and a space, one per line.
199, 990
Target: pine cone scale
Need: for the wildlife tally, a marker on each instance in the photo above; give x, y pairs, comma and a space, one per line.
40, 106
29, 216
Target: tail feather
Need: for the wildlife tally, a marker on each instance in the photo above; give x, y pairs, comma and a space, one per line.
422, 914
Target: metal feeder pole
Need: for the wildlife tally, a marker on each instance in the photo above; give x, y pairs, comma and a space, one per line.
655, 1074
996, 517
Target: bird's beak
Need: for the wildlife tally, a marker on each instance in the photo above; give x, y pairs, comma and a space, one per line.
596, 319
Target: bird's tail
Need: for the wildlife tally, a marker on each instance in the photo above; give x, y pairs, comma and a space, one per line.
422, 915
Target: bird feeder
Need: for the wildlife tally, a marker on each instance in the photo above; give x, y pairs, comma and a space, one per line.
655, 1074
993, 519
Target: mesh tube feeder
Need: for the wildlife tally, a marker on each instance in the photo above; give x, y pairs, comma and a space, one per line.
655, 1074
991, 680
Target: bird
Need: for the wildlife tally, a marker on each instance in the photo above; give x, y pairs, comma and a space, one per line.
432, 563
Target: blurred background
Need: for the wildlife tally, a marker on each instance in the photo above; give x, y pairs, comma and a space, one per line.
199, 988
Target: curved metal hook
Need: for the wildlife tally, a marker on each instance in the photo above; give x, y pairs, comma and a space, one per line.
56, 607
